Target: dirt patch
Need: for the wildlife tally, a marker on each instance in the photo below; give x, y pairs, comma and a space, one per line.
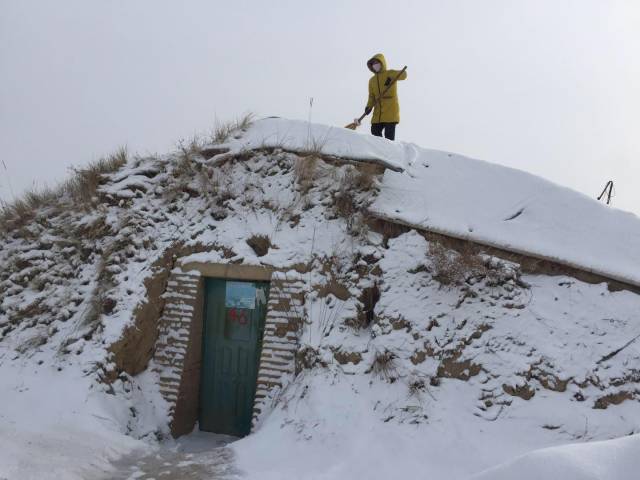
335, 288
281, 330
525, 391
418, 357
401, 323
452, 368
547, 380
612, 399
308, 357
134, 349
477, 334
347, 357
386, 228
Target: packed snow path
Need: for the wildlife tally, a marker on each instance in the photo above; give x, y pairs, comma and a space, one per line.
199, 456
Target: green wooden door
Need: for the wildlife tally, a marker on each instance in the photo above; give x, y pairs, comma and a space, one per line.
234, 314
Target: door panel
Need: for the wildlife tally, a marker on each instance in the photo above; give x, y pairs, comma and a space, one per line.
234, 317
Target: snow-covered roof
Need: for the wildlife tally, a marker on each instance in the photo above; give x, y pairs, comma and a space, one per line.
300, 136
473, 199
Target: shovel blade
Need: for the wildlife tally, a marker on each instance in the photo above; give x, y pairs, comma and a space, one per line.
351, 126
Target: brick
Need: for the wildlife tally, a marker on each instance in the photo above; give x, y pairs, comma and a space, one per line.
283, 347
279, 356
268, 362
275, 371
288, 338
269, 374
268, 384
179, 309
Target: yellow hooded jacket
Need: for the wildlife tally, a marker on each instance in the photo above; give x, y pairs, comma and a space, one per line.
388, 110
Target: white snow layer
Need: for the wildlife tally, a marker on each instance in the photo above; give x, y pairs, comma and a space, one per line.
55, 424
472, 199
609, 459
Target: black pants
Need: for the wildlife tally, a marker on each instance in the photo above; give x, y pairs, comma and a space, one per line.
389, 130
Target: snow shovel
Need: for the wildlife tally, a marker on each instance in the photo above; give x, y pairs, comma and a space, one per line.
356, 123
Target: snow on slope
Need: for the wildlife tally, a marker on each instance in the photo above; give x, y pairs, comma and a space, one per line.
477, 200
514, 210
545, 336
341, 420
607, 460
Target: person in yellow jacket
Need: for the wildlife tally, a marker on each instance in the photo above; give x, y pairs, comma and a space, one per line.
386, 112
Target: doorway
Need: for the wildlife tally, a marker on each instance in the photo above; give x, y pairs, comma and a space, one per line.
233, 326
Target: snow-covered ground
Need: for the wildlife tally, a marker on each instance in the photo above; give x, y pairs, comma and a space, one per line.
341, 422
200, 455
55, 425
481, 374
596, 460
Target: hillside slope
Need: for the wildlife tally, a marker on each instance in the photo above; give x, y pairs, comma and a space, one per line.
416, 357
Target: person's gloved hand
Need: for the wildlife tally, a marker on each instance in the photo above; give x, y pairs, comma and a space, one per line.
367, 110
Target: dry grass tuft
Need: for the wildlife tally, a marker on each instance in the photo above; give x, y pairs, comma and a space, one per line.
193, 146
80, 191
345, 204
184, 167
305, 169
384, 366
260, 244
417, 387
23, 210
222, 131
314, 145
82, 187
197, 144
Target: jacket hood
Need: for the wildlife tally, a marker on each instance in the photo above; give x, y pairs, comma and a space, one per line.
379, 57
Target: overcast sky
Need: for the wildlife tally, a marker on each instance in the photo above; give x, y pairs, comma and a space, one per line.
548, 86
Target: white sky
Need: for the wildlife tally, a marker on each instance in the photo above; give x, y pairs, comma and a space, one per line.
547, 86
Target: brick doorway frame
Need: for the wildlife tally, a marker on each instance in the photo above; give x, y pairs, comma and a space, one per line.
178, 352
